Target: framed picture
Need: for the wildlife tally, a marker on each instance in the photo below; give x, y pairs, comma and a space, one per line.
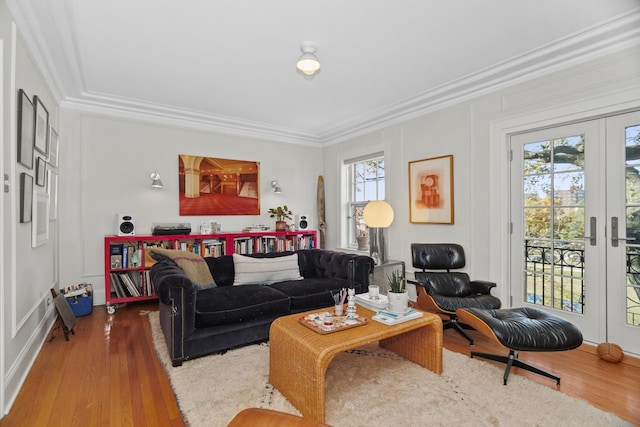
53, 194
41, 127
40, 223
53, 147
25, 130
26, 197
215, 186
431, 190
41, 168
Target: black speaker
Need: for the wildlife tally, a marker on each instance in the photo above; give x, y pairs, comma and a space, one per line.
302, 222
125, 225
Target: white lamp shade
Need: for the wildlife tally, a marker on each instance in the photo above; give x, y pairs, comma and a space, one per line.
378, 214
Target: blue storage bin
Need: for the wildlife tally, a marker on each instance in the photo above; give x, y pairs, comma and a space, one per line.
81, 306
80, 298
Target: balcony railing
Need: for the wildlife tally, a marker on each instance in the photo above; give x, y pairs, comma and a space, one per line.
564, 268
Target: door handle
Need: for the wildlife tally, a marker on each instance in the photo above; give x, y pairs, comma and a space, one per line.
614, 233
592, 232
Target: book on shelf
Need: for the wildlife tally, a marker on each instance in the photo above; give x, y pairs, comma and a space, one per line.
115, 252
392, 318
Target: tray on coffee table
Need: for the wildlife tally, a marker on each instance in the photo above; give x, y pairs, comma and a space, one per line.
339, 323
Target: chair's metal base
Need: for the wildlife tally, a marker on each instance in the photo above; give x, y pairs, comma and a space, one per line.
459, 327
513, 360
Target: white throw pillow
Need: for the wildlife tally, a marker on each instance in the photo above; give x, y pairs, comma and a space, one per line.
265, 271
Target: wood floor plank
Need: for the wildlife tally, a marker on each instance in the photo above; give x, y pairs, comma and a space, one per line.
124, 384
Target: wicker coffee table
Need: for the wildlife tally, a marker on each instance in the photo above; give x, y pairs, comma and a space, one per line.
299, 356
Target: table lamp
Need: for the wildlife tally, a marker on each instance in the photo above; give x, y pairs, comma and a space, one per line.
378, 215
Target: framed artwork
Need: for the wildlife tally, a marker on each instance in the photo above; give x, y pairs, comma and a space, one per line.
25, 130
431, 190
40, 223
52, 189
214, 186
53, 147
41, 127
26, 197
41, 168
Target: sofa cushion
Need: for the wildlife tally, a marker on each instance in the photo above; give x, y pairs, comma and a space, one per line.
231, 304
193, 265
249, 270
311, 293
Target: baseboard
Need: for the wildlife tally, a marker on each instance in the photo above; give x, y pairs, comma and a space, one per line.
627, 360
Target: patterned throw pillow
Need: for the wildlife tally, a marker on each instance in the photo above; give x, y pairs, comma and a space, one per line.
193, 265
265, 271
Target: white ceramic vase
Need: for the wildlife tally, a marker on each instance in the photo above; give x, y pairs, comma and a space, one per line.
398, 302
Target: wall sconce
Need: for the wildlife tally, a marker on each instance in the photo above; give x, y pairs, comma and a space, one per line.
378, 215
308, 65
155, 180
276, 188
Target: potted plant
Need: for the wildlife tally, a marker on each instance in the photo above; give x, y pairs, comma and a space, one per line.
398, 295
362, 236
280, 213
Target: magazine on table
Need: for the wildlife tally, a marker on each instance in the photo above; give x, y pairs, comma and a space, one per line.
391, 318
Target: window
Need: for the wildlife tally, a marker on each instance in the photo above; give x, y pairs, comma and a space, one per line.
365, 182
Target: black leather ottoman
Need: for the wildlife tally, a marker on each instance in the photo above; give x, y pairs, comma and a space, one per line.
522, 329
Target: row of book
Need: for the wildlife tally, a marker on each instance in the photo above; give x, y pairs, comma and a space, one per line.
124, 255
127, 284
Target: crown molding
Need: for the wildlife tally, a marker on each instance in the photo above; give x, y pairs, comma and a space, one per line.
163, 115
69, 86
609, 37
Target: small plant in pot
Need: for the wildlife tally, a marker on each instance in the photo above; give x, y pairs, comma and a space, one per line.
362, 236
398, 295
280, 213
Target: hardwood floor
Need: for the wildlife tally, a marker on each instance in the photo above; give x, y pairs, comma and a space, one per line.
108, 374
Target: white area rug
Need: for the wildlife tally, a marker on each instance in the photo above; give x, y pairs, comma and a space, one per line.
371, 386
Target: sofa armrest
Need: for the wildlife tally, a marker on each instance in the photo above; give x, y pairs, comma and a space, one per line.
177, 297
482, 286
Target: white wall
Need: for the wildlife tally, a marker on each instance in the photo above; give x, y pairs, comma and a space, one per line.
106, 162
476, 133
26, 312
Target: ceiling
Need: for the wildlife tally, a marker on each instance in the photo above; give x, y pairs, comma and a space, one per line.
228, 65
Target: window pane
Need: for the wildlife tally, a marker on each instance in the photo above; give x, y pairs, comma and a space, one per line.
537, 223
537, 157
537, 189
568, 153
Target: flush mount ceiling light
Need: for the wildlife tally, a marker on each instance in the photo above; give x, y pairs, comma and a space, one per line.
308, 64
155, 179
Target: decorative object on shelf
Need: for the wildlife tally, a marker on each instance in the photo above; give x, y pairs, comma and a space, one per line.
322, 225
398, 295
378, 215
431, 190
276, 187
155, 179
308, 65
25, 129
280, 213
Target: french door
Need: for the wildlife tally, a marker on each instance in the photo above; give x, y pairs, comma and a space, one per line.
575, 212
